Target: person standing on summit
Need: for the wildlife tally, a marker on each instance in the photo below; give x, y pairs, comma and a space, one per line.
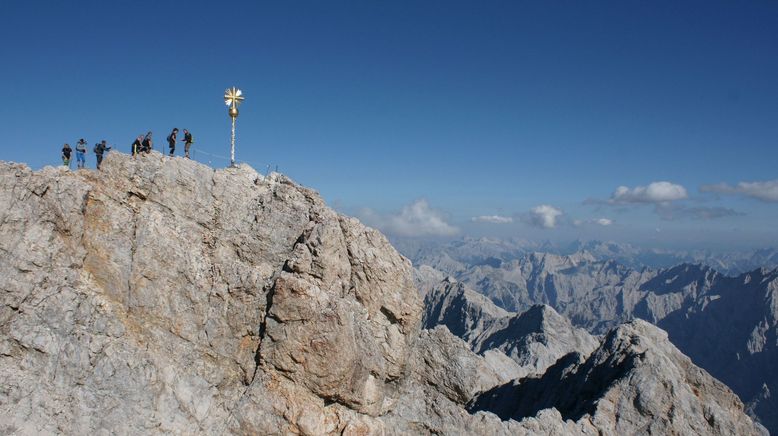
187, 142
81, 153
137, 145
100, 148
66, 151
171, 141
147, 144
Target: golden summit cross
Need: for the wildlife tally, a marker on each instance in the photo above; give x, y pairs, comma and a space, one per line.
232, 98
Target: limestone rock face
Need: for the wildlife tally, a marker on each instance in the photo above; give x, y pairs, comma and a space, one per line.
160, 296
155, 294
336, 322
445, 361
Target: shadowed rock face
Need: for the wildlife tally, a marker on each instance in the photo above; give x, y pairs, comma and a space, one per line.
732, 331
465, 313
161, 296
636, 381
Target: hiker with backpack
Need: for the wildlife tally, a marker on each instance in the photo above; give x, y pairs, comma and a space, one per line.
147, 144
99, 149
66, 150
81, 153
171, 141
137, 145
187, 142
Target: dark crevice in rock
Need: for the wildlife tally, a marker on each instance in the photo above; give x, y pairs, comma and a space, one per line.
84, 210
133, 249
139, 195
389, 315
263, 328
42, 193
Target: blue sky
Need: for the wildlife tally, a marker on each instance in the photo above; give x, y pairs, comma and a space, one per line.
420, 116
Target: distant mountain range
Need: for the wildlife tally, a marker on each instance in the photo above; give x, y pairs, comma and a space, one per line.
493, 251
726, 324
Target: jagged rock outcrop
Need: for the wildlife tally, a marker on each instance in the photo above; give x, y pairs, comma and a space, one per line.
732, 332
534, 339
427, 278
635, 382
161, 296
444, 361
465, 313
727, 325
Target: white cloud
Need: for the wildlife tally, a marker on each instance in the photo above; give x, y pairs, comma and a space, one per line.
600, 222
656, 192
765, 191
493, 219
415, 219
544, 216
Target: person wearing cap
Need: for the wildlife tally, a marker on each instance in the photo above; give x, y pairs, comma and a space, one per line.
81, 153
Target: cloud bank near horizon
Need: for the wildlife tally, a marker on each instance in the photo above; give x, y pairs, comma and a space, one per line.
492, 219
414, 220
766, 191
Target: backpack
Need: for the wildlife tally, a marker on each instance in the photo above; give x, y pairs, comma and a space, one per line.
95, 150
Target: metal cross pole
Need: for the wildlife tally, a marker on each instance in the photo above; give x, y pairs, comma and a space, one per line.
232, 144
233, 97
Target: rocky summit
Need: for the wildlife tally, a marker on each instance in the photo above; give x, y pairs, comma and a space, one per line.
161, 296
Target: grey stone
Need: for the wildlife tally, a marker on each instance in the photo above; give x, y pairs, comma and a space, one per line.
635, 382
727, 325
161, 296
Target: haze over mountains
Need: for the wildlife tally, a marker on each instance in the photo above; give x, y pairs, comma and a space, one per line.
474, 251
161, 296
727, 325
